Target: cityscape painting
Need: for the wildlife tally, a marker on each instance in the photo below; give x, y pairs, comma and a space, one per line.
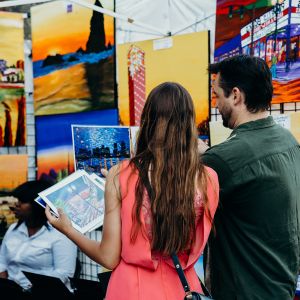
54, 140
12, 98
81, 199
266, 29
97, 147
73, 57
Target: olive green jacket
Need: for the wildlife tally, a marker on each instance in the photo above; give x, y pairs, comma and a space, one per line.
255, 251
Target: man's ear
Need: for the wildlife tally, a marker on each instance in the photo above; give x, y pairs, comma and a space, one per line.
237, 95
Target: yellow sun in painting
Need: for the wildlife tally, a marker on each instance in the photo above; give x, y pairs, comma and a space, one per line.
54, 51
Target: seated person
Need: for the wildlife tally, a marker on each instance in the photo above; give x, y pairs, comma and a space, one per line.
32, 244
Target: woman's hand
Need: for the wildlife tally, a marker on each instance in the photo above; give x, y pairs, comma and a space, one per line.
61, 223
104, 172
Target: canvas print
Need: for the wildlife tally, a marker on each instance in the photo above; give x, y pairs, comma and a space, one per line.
134, 131
55, 158
7, 216
218, 133
73, 53
97, 147
12, 98
43, 204
13, 171
80, 197
100, 180
291, 122
295, 125
267, 29
143, 65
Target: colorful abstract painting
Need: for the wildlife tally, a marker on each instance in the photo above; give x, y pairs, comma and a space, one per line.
144, 65
12, 98
13, 171
98, 147
73, 56
55, 158
267, 29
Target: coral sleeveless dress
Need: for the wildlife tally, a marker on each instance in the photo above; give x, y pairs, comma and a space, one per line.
142, 274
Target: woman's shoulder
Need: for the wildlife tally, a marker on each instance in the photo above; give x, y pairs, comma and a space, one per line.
212, 188
12, 227
10, 230
212, 173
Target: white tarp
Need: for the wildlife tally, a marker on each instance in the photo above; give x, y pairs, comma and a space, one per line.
174, 16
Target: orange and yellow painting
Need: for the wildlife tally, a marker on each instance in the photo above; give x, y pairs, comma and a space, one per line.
12, 98
13, 171
143, 65
73, 57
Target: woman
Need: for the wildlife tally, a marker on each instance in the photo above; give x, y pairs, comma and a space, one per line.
140, 230
32, 244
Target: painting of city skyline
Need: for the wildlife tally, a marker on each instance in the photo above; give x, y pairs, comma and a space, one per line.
99, 147
12, 98
265, 29
73, 51
55, 158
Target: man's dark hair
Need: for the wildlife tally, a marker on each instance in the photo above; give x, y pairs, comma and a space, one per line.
251, 75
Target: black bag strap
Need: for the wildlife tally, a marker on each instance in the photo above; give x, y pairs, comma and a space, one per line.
145, 180
183, 280
181, 275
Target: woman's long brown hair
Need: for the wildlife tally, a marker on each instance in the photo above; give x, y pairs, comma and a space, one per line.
166, 151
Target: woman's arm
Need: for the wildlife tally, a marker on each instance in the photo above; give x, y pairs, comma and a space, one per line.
108, 251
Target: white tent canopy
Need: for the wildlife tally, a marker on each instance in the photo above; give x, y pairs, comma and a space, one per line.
168, 16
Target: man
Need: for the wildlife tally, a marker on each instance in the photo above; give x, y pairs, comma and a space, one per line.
255, 251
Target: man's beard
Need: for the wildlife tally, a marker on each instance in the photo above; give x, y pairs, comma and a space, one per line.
226, 115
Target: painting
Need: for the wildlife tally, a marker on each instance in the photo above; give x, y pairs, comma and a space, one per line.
7, 216
266, 29
295, 125
80, 197
99, 147
291, 121
13, 171
143, 65
73, 53
54, 140
218, 133
12, 98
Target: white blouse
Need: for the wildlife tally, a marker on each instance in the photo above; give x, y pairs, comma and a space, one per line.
47, 252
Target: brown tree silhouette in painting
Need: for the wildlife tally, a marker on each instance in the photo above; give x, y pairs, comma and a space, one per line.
20, 135
1, 137
7, 129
